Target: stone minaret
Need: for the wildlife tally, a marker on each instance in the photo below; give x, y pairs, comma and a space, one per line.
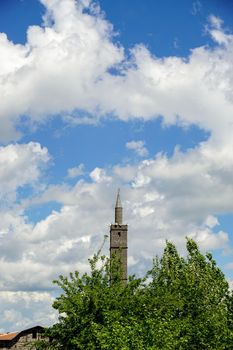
118, 237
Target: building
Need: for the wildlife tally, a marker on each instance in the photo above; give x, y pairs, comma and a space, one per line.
119, 238
21, 340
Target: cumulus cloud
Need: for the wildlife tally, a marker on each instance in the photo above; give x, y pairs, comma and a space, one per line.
138, 147
22, 310
64, 58
70, 58
20, 165
99, 175
163, 198
75, 171
216, 31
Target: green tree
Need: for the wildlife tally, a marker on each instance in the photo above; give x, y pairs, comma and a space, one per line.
190, 301
181, 303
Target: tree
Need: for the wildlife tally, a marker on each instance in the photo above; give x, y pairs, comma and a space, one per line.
190, 300
181, 303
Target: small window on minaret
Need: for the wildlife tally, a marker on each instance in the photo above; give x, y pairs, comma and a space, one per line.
119, 234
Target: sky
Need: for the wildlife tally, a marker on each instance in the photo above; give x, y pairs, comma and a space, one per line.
97, 96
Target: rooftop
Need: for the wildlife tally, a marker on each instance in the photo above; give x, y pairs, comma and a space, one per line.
8, 336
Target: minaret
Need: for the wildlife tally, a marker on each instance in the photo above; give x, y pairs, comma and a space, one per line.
118, 238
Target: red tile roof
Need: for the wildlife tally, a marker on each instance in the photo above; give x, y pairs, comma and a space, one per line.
8, 336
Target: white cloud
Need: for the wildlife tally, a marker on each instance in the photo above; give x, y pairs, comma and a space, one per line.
76, 171
20, 165
22, 310
99, 175
211, 221
217, 33
163, 198
64, 60
138, 147
70, 57
216, 22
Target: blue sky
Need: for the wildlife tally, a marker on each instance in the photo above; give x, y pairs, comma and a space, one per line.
96, 96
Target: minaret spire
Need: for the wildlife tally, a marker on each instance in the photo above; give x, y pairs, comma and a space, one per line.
118, 237
118, 210
118, 200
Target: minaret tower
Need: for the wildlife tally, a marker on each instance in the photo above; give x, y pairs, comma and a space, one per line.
118, 238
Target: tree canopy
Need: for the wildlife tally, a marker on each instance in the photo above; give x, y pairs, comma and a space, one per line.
181, 303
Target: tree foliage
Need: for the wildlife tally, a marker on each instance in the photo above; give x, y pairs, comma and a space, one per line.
181, 303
